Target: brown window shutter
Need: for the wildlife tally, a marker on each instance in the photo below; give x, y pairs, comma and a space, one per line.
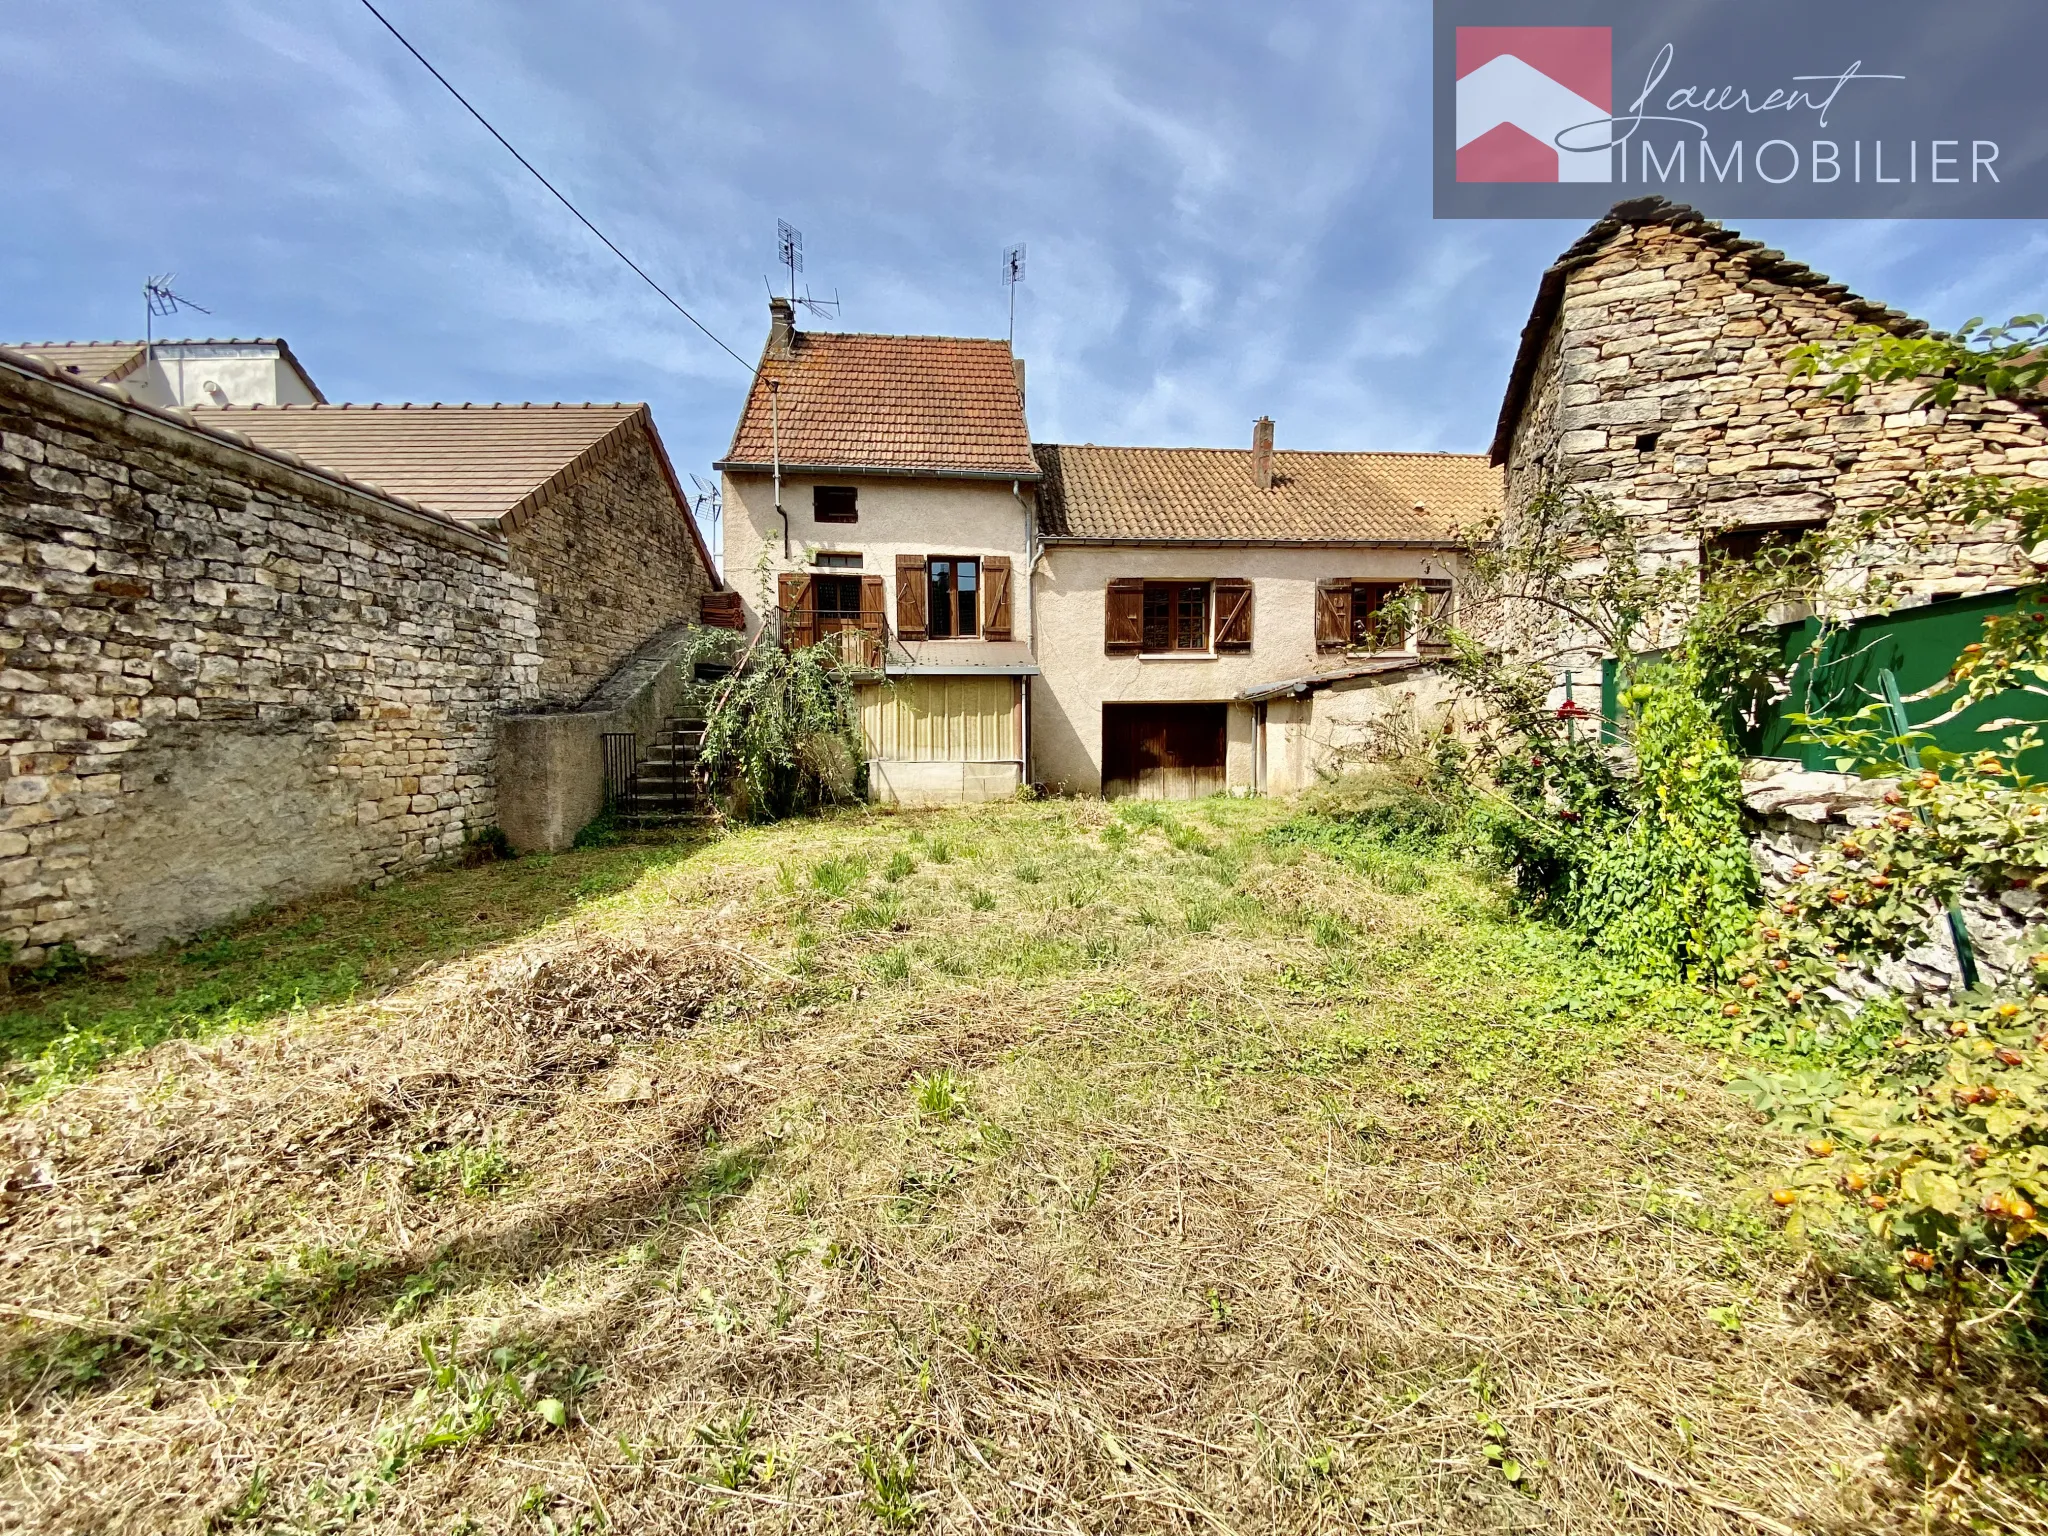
995, 597
1123, 630
799, 611
1233, 613
1439, 613
1333, 613
874, 602
910, 597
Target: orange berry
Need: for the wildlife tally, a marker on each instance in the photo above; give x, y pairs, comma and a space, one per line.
2009, 1056
1795, 996
1820, 1148
1747, 982
1784, 1196
1730, 1010
1919, 1258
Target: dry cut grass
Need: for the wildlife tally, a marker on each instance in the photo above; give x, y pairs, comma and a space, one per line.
1034, 1169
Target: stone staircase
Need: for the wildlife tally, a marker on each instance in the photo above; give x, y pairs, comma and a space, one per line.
664, 785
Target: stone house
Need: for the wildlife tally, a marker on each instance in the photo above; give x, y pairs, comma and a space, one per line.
186, 373
234, 671
1654, 368
1097, 620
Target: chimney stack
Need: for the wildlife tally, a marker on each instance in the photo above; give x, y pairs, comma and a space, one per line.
1017, 367
1262, 453
781, 326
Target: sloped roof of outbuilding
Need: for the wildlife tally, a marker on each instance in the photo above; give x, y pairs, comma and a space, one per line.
483, 463
1208, 495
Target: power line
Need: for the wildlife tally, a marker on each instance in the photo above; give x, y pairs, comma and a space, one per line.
629, 261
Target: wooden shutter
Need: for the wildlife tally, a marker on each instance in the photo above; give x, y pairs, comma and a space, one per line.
874, 602
1123, 630
799, 608
1233, 613
995, 597
1438, 614
1333, 613
910, 597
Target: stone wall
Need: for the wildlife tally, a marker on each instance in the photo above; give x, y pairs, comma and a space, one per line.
1662, 382
1795, 813
613, 560
226, 679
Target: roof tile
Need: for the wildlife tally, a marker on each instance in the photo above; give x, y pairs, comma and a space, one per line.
1208, 494
477, 461
908, 404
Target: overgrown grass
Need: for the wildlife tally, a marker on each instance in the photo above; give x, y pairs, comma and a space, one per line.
1045, 1166
307, 956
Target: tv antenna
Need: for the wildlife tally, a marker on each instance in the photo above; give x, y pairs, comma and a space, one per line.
158, 300
789, 252
708, 507
1013, 274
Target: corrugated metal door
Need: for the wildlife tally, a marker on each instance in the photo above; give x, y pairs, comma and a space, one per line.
941, 720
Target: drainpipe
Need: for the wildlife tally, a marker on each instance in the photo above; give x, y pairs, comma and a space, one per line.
1031, 612
775, 449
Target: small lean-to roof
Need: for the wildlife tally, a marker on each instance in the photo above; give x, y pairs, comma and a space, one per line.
1770, 265
849, 403
97, 362
1208, 495
486, 463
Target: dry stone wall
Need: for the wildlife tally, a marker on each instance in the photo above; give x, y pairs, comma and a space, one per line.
1663, 383
225, 681
613, 561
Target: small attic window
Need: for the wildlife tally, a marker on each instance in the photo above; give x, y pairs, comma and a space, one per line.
1646, 442
835, 504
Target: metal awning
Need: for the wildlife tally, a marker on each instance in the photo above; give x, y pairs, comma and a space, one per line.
1302, 687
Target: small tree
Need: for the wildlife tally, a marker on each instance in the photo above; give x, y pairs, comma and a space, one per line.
779, 734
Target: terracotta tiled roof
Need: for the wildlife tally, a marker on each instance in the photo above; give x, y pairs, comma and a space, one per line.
932, 405
478, 461
1208, 494
97, 362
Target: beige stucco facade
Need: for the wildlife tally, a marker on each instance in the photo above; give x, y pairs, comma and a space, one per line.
898, 516
1078, 676
936, 732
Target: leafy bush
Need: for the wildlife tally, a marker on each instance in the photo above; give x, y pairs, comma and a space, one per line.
779, 737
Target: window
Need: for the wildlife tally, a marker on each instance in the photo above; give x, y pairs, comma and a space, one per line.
953, 601
1368, 615
1372, 626
836, 597
1176, 616
829, 560
835, 504
1745, 546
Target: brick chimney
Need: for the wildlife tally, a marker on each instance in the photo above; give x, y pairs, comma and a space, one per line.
1262, 453
781, 326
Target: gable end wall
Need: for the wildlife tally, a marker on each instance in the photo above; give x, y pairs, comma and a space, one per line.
1662, 332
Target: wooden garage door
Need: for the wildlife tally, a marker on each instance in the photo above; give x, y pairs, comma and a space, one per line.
1162, 751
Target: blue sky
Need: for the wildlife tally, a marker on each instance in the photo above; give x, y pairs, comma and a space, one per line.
1227, 206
